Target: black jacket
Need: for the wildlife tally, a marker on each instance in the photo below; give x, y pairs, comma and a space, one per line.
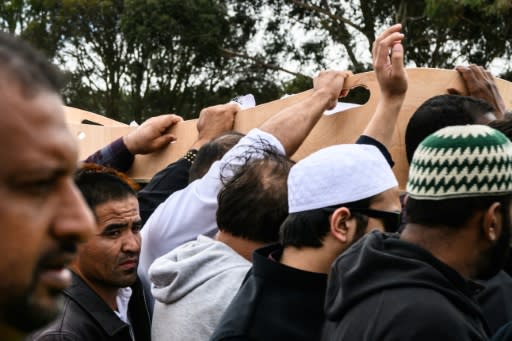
504, 333
87, 317
384, 288
172, 178
275, 302
496, 301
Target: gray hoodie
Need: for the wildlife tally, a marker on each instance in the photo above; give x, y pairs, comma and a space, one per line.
192, 286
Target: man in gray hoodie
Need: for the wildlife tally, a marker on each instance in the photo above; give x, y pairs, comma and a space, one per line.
194, 283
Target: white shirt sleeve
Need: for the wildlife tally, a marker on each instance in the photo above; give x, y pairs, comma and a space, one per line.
191, 211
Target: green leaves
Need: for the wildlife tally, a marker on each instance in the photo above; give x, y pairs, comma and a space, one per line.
130, 59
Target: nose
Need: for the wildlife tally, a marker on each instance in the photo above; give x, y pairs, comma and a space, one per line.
131, 242
73, 220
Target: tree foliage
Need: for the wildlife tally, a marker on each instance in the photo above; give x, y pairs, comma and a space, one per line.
130, 59
439, 33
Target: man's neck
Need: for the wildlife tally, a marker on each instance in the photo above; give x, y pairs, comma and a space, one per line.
308, 259
243, 247
106, 293
443, 243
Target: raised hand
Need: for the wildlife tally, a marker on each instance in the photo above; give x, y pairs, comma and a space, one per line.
480, 84
152, 135
388, 62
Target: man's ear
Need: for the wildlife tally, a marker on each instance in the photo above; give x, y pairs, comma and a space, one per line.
492, 222
404, 200
339, 225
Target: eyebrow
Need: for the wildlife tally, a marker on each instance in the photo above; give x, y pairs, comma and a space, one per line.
115, 226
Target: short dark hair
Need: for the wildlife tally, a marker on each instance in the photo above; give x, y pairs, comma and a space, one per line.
452, 213
254, 202
440, 112
28, 66
100, 184
504, 125
211, 152
309, 228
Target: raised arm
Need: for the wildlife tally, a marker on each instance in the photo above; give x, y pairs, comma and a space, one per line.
213, 122
293, 124
150, 136
191, 211
388, 63
480, 84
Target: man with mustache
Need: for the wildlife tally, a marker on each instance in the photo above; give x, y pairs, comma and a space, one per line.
106, 300
43, 215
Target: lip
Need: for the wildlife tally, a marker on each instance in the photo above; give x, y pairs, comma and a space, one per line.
53, 273
129, 264
55, 279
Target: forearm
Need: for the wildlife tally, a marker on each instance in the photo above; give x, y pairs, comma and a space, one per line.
115, 155
365, 139
382, 124
191, 211
293, 124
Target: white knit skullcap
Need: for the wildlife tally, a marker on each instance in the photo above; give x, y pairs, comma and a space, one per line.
337, 175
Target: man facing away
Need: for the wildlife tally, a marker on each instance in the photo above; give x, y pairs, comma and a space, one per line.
43, 215
106, 300
335, 196
225, 261
418, 285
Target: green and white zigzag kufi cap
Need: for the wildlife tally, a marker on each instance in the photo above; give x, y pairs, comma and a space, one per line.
461, 161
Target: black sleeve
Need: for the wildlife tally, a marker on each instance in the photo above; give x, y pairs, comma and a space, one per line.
114, 155
363, 139
504, 333
169, 180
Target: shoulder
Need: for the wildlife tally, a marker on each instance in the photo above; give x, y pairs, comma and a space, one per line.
428, 315
504, 333
231, 338
73, 324
55, 335
60, 329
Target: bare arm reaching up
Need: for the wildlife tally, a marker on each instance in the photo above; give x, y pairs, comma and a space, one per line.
388, 62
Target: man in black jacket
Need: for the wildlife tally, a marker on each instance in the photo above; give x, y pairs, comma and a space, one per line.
106, 300
417, 286
335, 196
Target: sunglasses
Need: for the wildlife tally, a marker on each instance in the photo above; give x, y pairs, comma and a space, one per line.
390, 219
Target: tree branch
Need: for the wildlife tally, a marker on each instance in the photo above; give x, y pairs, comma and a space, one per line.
232, 54
327, 13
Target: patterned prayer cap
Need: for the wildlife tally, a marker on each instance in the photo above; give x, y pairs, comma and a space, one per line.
461, 161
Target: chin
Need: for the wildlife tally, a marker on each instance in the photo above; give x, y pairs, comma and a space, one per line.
126, 280
32, 312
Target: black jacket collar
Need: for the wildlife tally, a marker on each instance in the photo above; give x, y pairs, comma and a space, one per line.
90, 302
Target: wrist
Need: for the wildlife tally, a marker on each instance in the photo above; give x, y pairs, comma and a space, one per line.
130, 145
392, 98
324, 96
199, 143
190, 156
